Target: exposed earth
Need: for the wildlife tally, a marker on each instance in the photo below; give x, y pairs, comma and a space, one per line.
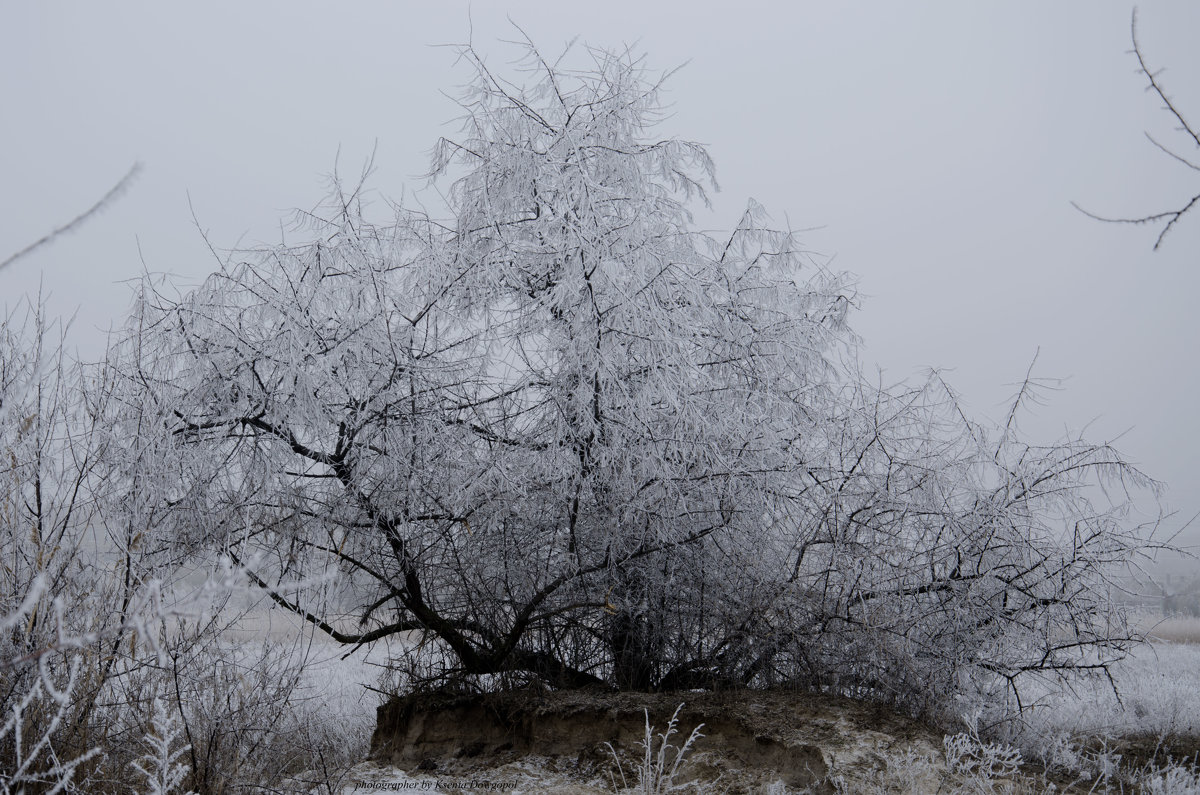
583, 741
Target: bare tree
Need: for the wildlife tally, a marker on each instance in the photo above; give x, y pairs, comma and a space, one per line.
1189, 133
562, 434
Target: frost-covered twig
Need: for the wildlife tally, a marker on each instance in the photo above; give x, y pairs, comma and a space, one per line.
105, 201
34, 761
1171, 217
160, 765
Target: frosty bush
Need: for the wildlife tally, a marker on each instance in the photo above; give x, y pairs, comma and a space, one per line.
565, 435
95, 651
47, 451
980, 763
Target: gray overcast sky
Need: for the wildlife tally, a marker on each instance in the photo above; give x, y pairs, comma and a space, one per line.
937, 146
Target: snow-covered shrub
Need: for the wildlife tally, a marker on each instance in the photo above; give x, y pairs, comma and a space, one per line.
1155, 691
251, 723
49, 583
31, 752
569, 437
97, 636
1174, 780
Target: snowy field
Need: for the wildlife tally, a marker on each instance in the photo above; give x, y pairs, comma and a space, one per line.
1158, 687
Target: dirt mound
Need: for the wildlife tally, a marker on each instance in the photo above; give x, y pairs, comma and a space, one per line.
751, 739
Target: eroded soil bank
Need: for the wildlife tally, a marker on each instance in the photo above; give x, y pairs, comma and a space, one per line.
751, 739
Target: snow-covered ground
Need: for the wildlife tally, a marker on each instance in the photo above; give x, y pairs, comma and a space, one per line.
1157, 692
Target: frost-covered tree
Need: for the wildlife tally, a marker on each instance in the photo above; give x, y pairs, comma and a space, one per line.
536, 430
562, 433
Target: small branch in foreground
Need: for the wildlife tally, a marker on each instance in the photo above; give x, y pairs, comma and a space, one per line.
105, 201
1170, 216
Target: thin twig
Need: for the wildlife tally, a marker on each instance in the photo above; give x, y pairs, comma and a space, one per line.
106, 200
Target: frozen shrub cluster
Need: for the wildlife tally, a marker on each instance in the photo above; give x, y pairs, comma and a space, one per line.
1176, 780
1155, 691
102, 660
980, 763
567, 436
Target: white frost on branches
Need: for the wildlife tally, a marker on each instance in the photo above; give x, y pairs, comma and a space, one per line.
160, 765
567, 436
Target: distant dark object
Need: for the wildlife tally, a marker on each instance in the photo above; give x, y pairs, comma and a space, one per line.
1187, 604
1183, 602
1170, 216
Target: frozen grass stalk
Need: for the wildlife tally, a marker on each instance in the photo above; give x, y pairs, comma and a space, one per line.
160, 765
660, 760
